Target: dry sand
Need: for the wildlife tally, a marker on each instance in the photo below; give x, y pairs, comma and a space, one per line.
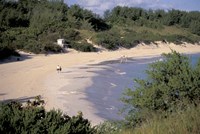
36, 75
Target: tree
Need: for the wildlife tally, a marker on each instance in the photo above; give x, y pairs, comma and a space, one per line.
173, 17
185, 20
195, 27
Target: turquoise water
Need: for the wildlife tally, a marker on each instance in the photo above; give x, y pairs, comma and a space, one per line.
109, 84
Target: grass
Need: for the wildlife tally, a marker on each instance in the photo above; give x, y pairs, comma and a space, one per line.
178, 123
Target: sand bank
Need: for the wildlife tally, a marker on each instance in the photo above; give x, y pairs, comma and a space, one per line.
36, 75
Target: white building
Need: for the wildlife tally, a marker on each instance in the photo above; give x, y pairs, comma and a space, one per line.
61, 42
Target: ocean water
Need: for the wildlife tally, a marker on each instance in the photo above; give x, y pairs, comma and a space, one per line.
110, 83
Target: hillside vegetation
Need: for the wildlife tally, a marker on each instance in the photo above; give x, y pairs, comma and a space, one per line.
34, 26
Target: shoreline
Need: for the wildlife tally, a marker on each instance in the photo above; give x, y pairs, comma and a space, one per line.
70, 92
28, 78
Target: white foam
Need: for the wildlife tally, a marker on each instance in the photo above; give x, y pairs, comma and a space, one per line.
113, 85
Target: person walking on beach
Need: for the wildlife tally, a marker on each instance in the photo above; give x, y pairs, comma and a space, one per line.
58, 68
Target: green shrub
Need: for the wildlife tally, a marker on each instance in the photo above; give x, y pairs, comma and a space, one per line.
71, 35
109, 40
126, 43
195, 27
113, 40
150, 24
109, 127
178, 39
49, 37
83, 47
21, 40
18, 119
33, 46
51, 47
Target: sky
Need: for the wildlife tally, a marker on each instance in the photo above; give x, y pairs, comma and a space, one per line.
99, 6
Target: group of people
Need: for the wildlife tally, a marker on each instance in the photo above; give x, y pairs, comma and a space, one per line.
58, 68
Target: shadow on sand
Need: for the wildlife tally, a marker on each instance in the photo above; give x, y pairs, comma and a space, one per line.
22, 57
2, 94
20, 99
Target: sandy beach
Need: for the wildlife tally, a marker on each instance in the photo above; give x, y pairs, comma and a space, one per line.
36, 75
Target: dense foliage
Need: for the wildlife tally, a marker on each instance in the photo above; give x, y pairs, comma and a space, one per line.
35, 26
83, 46
154, 18
171, 85
33, 118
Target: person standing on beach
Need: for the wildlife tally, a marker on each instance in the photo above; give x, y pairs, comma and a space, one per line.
58, 68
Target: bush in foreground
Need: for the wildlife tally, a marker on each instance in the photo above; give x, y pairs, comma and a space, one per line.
15, 118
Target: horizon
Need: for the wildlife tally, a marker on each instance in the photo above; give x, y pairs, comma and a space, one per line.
97, 7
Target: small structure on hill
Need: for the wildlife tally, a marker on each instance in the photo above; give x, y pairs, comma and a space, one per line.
61, 43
